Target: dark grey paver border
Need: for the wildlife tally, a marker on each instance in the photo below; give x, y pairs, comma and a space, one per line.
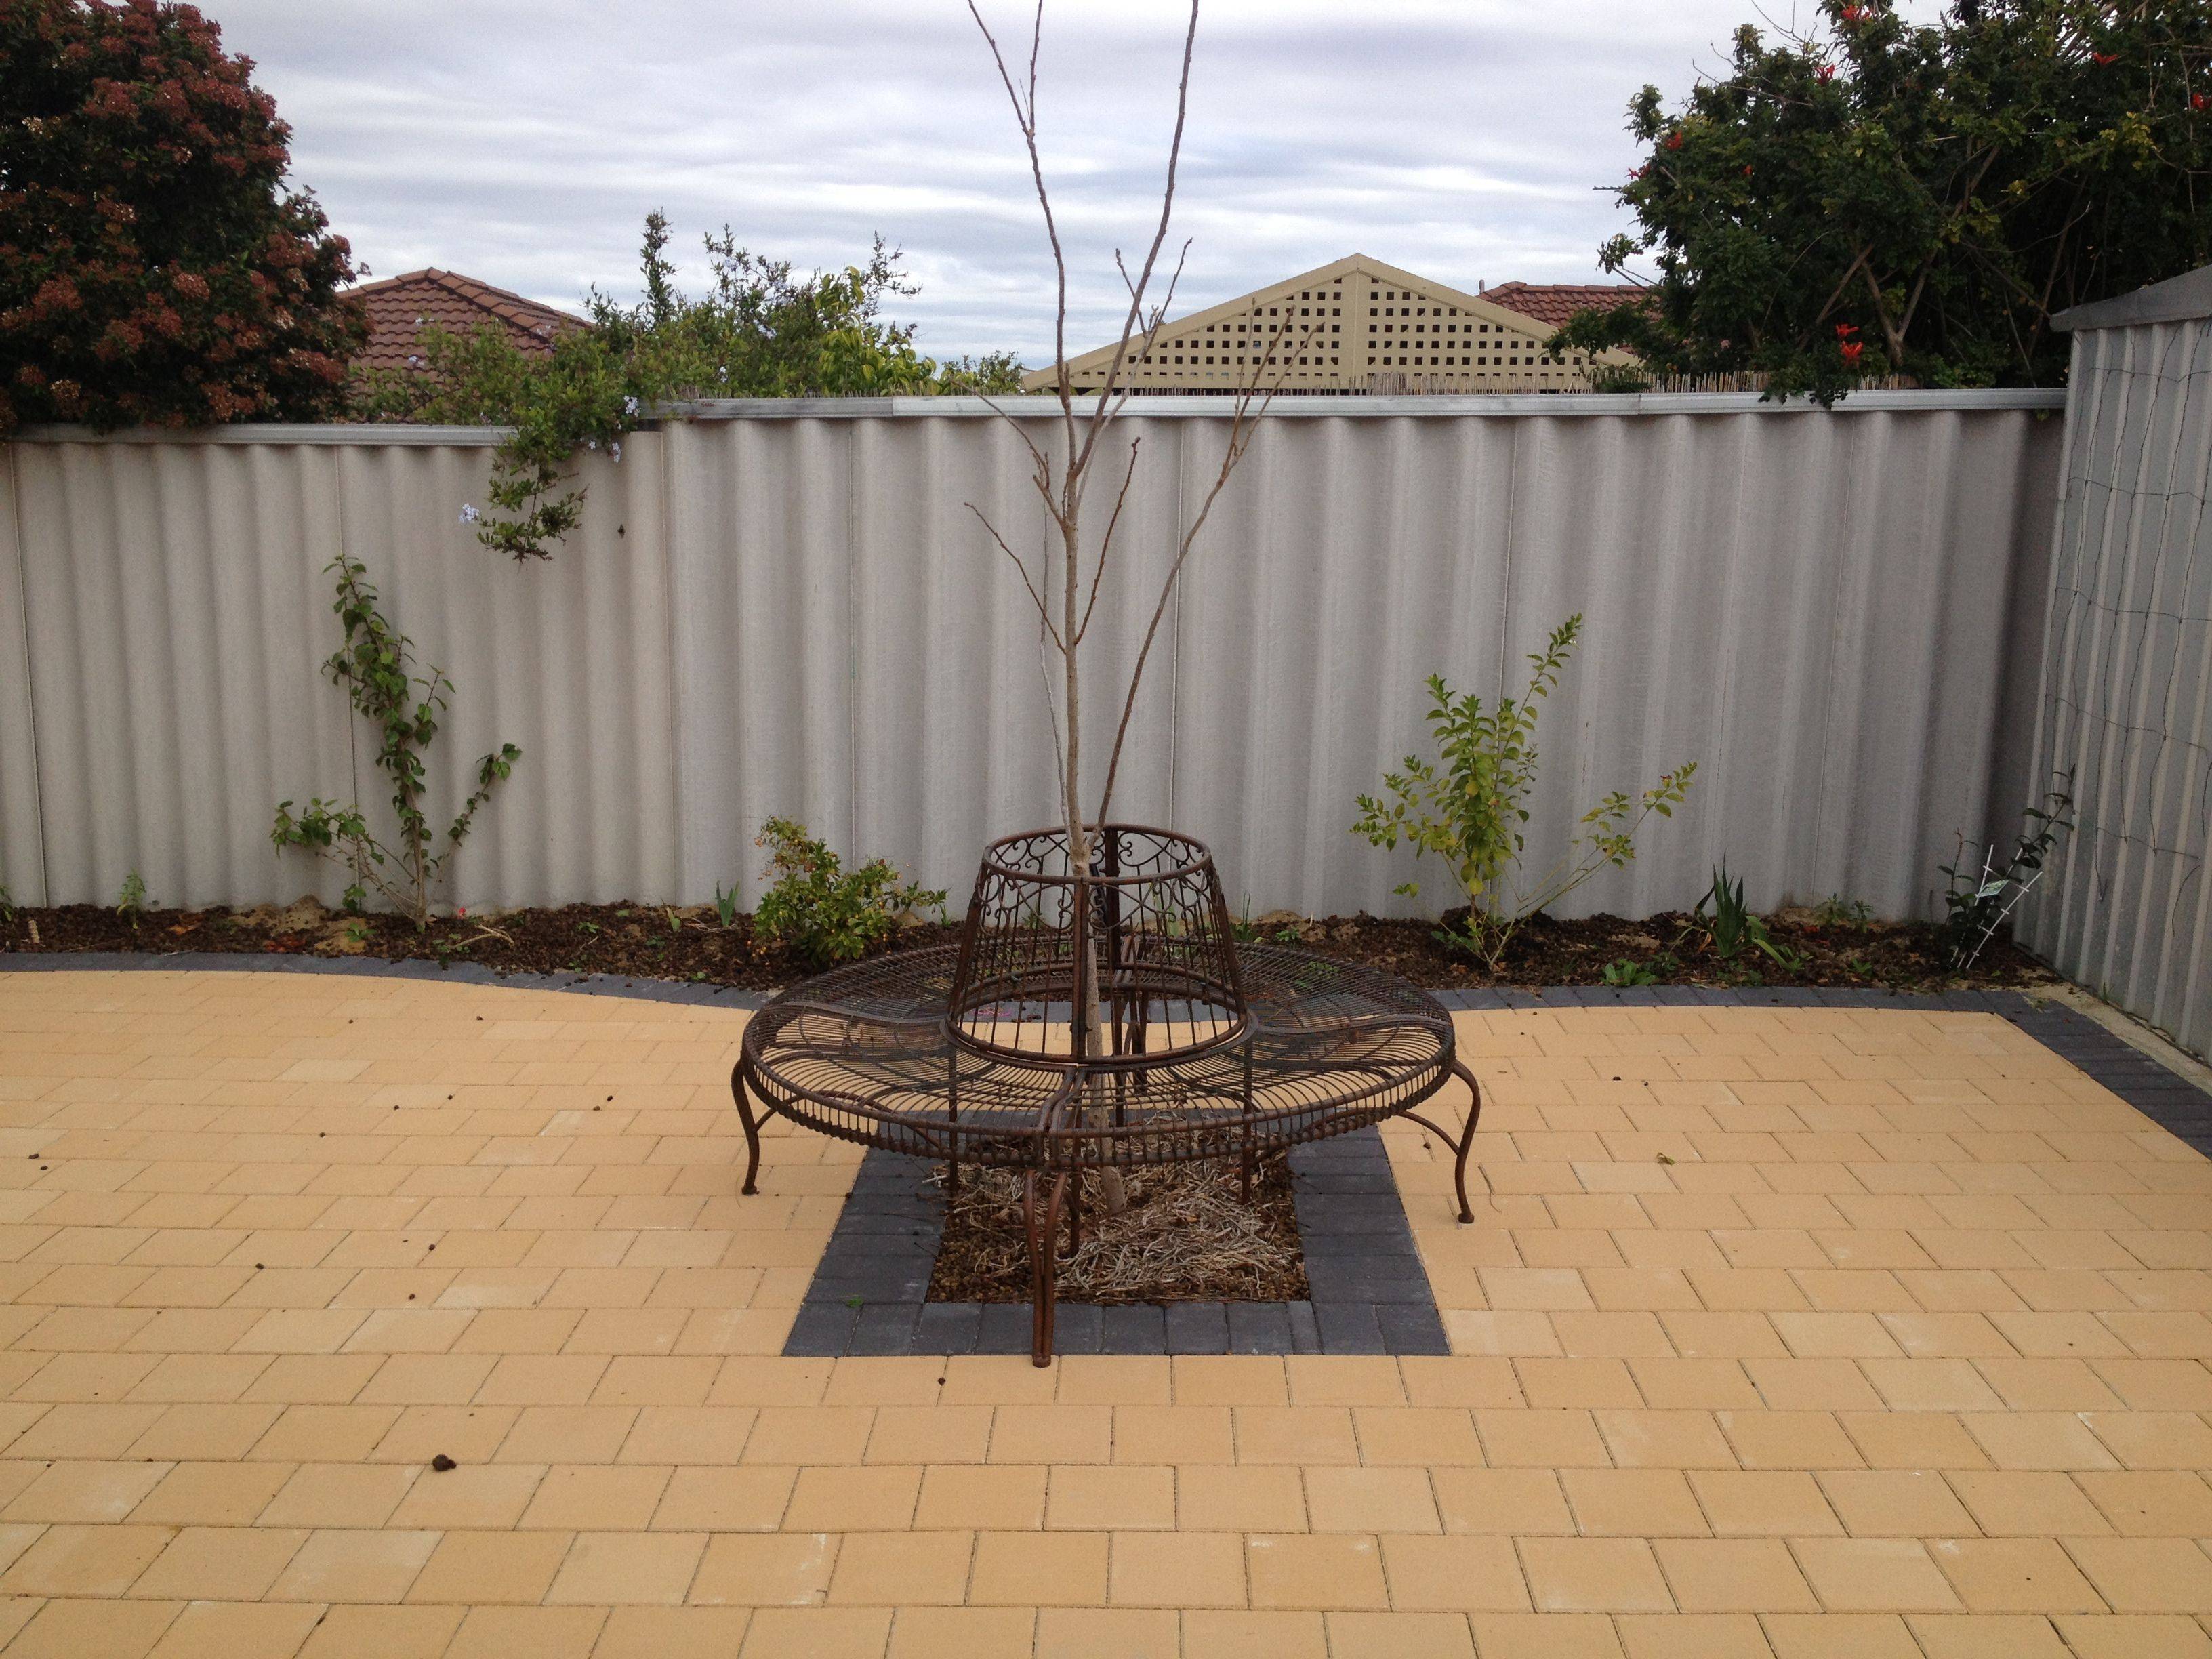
464, 973
1369, 1292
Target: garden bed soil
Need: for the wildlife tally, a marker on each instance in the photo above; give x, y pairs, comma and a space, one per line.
1186, 1235
690, 944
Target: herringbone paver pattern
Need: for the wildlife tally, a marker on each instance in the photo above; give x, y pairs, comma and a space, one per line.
1784, 1335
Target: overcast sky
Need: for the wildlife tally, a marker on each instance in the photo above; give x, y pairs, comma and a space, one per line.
523, 141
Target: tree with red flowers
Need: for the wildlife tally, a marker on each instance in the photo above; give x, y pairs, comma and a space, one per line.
1878, 198
153, 267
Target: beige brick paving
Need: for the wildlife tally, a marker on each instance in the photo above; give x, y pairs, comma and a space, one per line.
1780, 1334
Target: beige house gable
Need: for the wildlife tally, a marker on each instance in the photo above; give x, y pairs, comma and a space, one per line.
1358, 326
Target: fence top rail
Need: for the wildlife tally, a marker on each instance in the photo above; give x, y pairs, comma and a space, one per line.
1210, 406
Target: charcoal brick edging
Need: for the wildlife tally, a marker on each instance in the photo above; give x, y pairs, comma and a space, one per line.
1369, 1292
690, 993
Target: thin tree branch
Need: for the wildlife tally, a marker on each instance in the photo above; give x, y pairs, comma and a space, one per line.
1026, 119
1102, 418
1105, 546
1244, 422
1043, 614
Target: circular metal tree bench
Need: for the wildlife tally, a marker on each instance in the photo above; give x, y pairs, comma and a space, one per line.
1092, 1022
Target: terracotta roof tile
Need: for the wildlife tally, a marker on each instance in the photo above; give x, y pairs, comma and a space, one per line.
401, 307
1554, 302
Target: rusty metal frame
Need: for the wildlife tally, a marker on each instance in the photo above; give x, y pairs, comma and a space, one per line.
1205, 1050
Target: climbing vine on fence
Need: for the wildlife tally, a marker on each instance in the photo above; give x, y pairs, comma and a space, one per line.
759, 331
374, 666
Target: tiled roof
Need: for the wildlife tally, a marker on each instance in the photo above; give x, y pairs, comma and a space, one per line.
401, 307
1554, 302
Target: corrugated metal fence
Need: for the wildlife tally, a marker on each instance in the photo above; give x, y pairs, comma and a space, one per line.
788, 608
2126, 713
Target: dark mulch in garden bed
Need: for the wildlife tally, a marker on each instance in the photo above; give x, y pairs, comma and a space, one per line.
1891, 954
1186, 1235
635, 940
653, 942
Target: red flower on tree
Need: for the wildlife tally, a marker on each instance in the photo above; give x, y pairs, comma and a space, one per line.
1852, 350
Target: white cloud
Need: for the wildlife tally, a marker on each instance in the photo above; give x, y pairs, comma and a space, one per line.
523, 141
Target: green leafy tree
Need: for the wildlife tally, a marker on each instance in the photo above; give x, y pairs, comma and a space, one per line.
1878, 198
153, 266
760, 330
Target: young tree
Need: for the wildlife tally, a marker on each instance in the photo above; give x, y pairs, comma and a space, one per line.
1887, 198
1061, 470
153, 266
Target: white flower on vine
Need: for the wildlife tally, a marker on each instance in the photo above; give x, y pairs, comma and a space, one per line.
629, 406
469, 515
615, 450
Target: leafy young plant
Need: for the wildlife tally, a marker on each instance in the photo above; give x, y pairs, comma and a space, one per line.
130, 901
374, 667
821, 913
1837, 911
1978, 900
1627, 972
726, 906
1467, 807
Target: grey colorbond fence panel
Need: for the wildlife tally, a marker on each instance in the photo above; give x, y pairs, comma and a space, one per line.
2126, 706
22, 861
789, 608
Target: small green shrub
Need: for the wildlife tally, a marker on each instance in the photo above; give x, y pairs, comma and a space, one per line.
1837, 911
1466, 807
1626, 972
1978, 901
130, 901
373, 667
821, 913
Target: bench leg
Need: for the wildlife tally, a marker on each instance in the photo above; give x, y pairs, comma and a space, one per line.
1466, 1138
1465, 1142
752, 1129
1044, 1261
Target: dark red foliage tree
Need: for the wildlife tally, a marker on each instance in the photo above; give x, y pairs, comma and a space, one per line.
153, 267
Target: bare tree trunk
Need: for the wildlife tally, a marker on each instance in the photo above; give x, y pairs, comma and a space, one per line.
1061, 488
